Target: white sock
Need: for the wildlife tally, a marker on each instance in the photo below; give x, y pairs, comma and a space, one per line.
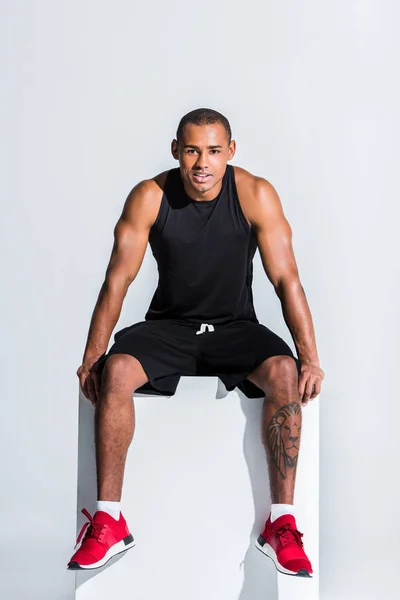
112, 508
277, 510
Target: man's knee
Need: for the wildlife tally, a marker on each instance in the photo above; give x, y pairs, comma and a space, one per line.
280, 368
123, 372
276, 371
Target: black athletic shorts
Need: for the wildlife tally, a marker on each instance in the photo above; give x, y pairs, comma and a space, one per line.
170, 348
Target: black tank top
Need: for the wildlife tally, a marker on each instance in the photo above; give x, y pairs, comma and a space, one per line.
204, 252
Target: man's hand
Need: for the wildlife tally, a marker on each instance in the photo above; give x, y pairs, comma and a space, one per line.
89, 379
310, 382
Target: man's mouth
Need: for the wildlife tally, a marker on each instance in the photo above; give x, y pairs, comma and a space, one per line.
200, 177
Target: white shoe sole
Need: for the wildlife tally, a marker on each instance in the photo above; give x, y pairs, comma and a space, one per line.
270, 552
118, 548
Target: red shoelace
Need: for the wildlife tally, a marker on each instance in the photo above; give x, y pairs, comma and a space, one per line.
288, 535
95, 530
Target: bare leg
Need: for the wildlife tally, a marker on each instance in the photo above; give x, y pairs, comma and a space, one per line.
115, 422
281, 423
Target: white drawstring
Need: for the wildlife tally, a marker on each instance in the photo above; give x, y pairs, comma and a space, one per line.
203, 328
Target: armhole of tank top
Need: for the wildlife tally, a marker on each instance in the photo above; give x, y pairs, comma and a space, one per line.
161, 210
159, 214
240, 210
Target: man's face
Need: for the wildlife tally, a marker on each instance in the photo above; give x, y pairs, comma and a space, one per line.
203, 153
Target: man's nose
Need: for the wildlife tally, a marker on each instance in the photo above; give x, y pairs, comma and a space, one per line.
202, 161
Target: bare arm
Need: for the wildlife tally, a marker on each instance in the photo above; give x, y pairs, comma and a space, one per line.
274, 236
131, 236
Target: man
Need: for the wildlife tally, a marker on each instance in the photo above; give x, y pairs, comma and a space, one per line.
204, 221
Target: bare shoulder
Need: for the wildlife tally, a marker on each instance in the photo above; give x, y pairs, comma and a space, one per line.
257, 196
252, 185
143, 202
243, 177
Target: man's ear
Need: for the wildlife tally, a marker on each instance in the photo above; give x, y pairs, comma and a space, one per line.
232, 150
174, 149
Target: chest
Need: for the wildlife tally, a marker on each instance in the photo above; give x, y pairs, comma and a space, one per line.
202, 225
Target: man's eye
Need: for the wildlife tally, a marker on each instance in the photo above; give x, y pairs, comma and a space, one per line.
217, 151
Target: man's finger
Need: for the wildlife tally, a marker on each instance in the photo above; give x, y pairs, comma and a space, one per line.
96, 380
91, 390
309, 388
307, 392
84, 388
317, 389
302, 384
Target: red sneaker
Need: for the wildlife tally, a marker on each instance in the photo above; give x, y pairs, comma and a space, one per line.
104, 538
281, 541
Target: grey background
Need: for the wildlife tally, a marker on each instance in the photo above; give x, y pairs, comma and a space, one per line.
92, 94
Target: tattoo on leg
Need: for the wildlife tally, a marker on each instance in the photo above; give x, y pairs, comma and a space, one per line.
283, 434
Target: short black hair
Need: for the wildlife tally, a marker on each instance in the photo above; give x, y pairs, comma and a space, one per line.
204, 116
